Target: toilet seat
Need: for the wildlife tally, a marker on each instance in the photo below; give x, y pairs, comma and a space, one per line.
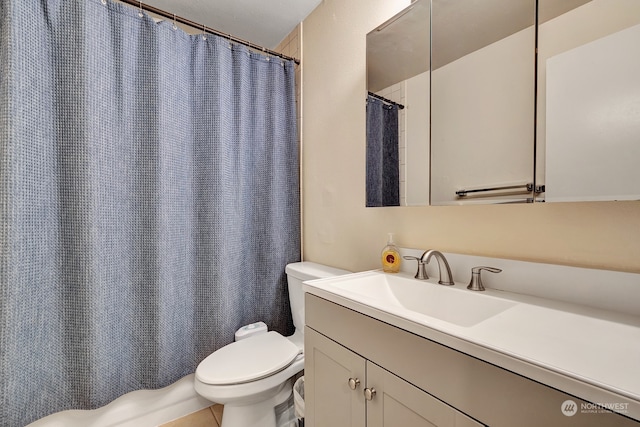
247, 360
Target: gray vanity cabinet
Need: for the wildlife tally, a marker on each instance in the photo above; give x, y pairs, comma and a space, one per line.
417, 381
343, 389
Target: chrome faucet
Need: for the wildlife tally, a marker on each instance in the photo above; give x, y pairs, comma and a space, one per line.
445, 272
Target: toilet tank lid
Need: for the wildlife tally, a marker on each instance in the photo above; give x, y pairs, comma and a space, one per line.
307, 270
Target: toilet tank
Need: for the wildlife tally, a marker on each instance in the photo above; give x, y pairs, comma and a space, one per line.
297, 273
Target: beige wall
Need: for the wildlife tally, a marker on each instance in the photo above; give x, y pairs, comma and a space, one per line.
338, 230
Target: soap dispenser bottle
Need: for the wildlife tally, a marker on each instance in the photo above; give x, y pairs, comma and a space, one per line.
390, 257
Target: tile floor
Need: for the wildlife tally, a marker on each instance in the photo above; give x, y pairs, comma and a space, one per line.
208, 417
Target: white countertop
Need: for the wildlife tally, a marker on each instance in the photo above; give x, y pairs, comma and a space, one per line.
591, 353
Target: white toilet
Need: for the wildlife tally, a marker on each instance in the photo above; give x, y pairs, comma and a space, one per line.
252, 376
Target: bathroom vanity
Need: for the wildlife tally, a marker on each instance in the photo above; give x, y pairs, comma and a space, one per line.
370, 361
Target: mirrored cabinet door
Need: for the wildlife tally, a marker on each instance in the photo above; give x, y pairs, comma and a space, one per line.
504, 101
482, 101
398, 109
588, 133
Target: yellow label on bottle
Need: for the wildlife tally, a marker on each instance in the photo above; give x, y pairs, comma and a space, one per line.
390, 261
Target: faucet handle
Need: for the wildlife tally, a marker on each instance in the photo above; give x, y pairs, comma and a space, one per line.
421, 273
476, 280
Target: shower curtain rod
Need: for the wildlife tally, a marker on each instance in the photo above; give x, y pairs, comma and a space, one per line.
206, 29
388, 101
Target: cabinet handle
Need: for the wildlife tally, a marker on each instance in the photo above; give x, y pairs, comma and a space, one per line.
369, 393
354, 383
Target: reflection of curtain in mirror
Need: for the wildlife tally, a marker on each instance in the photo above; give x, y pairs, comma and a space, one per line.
383, 175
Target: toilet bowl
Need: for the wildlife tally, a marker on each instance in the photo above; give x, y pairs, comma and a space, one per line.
252, 376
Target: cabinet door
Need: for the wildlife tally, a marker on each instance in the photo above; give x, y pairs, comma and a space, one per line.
399, 403
329, 397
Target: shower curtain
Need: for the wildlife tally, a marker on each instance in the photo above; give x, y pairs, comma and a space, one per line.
149, 201
382, 167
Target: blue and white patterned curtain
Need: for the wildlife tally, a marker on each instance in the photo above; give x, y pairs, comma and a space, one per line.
149, 201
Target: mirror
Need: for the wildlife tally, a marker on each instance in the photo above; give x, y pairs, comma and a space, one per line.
562, 126
588, 132
482, 101
398, 109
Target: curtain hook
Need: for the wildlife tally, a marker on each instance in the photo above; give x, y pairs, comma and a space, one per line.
140, 14
175, 27
204, 32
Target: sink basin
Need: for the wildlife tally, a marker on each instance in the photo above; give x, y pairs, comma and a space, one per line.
410, 297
